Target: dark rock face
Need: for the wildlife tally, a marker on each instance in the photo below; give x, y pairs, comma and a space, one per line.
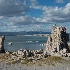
2, 50
57, 41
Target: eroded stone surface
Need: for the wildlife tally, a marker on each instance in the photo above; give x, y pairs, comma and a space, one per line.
2, 50
57, 41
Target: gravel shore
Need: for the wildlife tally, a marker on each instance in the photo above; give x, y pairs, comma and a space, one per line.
60, 66
49, 63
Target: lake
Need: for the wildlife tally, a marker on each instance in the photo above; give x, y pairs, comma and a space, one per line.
24, 42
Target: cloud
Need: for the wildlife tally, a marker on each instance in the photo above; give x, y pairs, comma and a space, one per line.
23, 20
62, 1
56, 14
59, 1
34, 4
1, 17
19, 20
50, 15
20, 23
12, 7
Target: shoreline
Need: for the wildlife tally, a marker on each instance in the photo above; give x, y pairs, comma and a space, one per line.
23, 56
17, 61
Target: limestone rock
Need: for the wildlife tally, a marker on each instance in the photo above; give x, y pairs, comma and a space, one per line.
57, 41
2, 50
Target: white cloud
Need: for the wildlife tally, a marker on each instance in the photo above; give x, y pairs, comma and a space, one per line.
59, 1
55, 14
34, 4
12, 7
23, 20
1, 17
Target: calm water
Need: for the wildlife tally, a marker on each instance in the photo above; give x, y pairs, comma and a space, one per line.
24, 42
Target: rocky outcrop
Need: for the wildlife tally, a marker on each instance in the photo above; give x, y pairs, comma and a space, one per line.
2, 50
57, 41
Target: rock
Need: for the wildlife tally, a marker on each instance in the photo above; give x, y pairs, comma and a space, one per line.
57, 41
10, 43
7, 52
2, 50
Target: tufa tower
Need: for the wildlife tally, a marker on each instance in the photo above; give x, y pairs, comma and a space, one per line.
57, 41
2, 50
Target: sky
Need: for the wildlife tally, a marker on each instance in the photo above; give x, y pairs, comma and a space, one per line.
33, 15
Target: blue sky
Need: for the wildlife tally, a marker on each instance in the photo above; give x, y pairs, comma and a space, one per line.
33, 15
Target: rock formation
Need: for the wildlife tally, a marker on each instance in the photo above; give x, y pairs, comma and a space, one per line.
57, 41
2, 50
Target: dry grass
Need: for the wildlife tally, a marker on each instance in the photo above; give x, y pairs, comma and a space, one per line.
51, 60
25, 61
4, 56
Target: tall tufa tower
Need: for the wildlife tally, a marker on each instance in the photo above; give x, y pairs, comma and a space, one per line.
57, 41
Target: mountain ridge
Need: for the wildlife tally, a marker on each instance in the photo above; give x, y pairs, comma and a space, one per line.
23, 33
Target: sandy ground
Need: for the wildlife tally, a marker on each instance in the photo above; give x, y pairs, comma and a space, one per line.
61, 66
51, 63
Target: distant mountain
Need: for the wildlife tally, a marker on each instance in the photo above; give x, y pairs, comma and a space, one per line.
23, 33
9, 33
38, 32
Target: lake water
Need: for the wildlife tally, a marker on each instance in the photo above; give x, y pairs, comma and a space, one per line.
24, 42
